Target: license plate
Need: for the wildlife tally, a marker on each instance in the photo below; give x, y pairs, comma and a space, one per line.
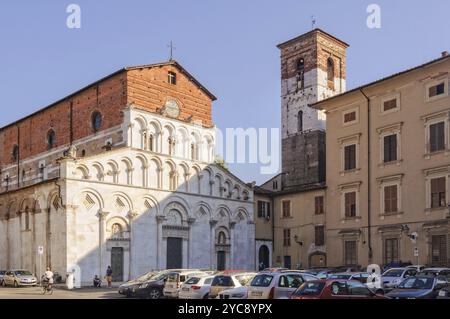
185, 289
442, 294
257, 293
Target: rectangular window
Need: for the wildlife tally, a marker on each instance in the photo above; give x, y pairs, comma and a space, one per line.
350, 117
439, 250
390, 105
437, 137
390, 199
391, 251
350, 157
436, 90
172, 78
350, 205
319, 209
286, 209
286, 237
438, 190
263, 209
350, 254
287, 262
390, 148
319, 235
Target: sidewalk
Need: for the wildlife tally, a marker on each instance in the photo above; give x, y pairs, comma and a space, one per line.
87, 286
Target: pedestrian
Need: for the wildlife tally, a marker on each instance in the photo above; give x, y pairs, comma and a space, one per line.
109, 273
97, 282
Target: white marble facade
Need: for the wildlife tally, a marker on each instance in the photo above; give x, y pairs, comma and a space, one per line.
161, 184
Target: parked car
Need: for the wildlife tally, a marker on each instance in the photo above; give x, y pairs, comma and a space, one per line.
153, 287
335, 289
419, 287
196, 287
347, 269
176, 279
444, 293
445, 272
19, 278
392, 277
234, 293
2, 274
396, 265
228, 280
277, 285
321, 273
127, 288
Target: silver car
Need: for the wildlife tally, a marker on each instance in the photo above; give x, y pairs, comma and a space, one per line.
19, 278
277, 285
391, 278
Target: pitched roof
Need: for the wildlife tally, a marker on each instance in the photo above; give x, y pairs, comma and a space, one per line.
128, 68
316, 30
318, 104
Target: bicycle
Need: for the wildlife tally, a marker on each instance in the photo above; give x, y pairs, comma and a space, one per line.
46, 287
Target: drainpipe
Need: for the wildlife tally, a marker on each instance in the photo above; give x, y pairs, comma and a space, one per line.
18, 156
369, 188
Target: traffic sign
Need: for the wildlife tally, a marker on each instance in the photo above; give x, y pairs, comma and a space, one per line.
416, 252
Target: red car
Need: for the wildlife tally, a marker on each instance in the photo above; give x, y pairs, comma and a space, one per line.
334, 289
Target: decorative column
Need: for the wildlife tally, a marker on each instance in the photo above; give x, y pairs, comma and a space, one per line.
159, 220
19, 216
132, 214
102, 239
186, 181
130, 135
71, 219
145, 173
160, 172
191, 221
211, 186
232, 243
251, 239
212, 224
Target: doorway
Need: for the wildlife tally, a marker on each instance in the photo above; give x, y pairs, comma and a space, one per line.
174, 253
221, 260
117, 263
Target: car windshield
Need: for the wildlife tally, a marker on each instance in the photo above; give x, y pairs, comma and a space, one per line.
23, 273
173, 277
158, 277
417, 283
244, 279
310, 289
393, 273
261, 280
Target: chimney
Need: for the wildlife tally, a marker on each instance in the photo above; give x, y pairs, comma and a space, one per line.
445, 53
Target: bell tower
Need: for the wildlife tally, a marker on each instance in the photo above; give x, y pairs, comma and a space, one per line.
312, 69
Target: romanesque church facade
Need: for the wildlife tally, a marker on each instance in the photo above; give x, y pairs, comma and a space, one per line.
122, 173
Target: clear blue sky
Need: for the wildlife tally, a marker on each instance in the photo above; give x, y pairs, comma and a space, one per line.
229, 45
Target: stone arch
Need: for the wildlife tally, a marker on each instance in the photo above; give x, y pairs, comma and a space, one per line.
174, 207
218, 187
241, 214
154, 172
100, 171
125, 171
122, 202
227, 188
195, 180
139, 132
150, 203
112, 171
195, 145
170, 178
203, 208
89, 198
141, 166
82, 172
168, 139
236, 192
225, 231
223, 214
209, 150
183, 142
124, 228
206, 181
183, 176
154, 132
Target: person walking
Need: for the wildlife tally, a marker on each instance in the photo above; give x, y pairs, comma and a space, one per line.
109, 273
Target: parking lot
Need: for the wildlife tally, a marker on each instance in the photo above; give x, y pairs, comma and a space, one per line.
35, 293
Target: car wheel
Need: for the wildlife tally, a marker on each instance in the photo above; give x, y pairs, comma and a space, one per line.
154, 294
206, 296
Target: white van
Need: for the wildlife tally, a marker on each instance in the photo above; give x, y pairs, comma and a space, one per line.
176, 279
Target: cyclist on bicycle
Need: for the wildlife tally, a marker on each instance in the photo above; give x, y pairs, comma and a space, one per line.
48, 277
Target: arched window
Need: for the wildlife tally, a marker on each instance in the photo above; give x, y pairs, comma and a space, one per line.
330, 73
301, 65
51, 139
15, 153
96, 121
171, 142
300, 121
27, 218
